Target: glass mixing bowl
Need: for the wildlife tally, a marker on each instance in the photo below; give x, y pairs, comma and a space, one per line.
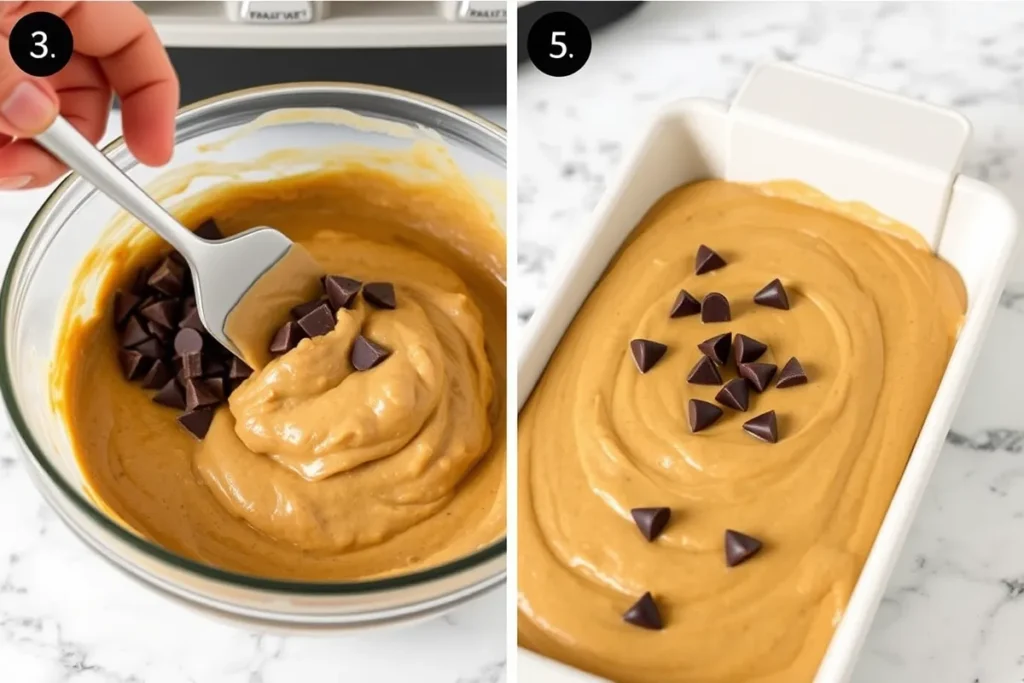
70, 224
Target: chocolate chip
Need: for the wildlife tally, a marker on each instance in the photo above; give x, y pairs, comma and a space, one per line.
764, 427
134, 333
140, 286
151, 348
704, 372
341, 291
191, 321
162, 333
213, 367
380, 294
216, 387
707, 260
190, 365
759, 374
739, 547
305, 309
197, 422
238, 369
132, 363
651, 521
685, 304
286, 338
735, 394
198, 394
792, 374
170, 395
125, 304
646, 353
748, 349
188, 340
702, 414
318, 322
715, 309
367, 354
717, 348
209, 230
773, 294
159, 374
178, 258
168, 278
644, 613
164, 312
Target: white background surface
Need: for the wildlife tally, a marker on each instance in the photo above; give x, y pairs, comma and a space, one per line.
954, 610
68, 617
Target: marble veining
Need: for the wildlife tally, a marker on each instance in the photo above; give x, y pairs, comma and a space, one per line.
66, 616
954, 609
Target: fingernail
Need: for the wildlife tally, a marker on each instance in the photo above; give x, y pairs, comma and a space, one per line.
28, 109
15, 182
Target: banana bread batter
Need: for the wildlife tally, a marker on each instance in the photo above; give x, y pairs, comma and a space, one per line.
873, 318
313, 471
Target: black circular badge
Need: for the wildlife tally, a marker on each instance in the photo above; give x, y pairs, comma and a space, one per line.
558, 44
41, 44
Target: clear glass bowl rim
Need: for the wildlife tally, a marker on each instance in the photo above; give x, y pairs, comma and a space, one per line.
117, 147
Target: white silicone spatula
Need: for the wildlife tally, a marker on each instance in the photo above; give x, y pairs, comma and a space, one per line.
223, 271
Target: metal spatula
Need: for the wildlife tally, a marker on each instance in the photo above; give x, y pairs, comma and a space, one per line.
245, 285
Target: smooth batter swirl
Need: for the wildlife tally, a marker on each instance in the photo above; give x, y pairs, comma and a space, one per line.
375, 452
873, 321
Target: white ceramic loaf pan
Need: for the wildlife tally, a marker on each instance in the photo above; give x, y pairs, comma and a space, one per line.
853, 143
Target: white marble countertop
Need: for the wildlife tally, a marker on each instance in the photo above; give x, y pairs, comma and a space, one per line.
954, 610
68, 617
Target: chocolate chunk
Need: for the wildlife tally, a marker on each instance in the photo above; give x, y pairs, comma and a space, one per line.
380, 295
739, 547
191, 321
715, 309
140, 286
164, 312
341, 291
151, 348
704, 372
134, 333
318, 322
209, 231
651, 521
159, 374
764, 427
646, 353
717, 348
759, 374
178, 258
644, 613
168, 278
132, 362
302, 310
685, 304
198, 394
707, 260
702, 414
286, 338
197, 422
792, 374
188, 340
735, 394
748, 349
216, 387
190, 365
213, 367
773, 294
125, 304
170, 395
238, 369
367, 354
162, 333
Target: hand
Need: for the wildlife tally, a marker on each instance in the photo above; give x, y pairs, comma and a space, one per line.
116, 51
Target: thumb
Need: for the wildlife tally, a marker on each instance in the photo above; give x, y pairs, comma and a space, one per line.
27, 105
